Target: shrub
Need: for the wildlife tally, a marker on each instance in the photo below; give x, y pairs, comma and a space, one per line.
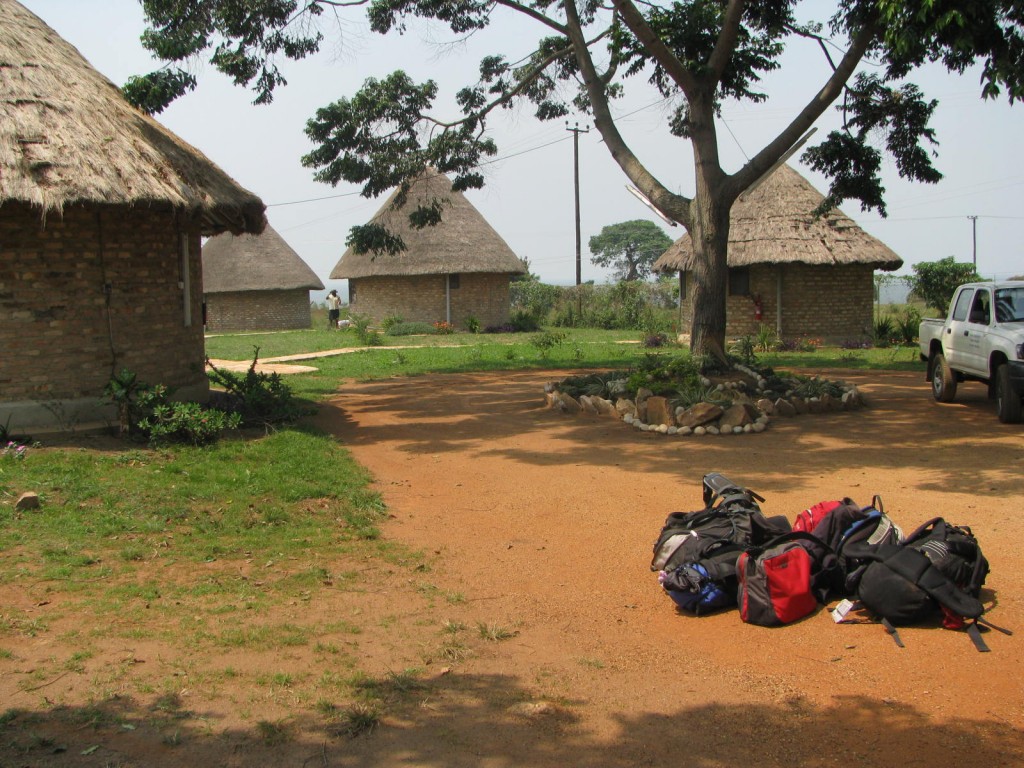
389, 322
472, 324
655, 340
503, 328
410, 329
546, 341
260, 399
185, 422
524, 322
443, 327
366, 336
884, 331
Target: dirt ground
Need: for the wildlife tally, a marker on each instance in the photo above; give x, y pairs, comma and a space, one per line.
544, 523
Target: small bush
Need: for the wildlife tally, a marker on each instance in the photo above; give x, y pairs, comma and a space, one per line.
546, 341
366, 336
389, 322
472, 324
884, 331
443, 327
182, 422
503, 328
524, 322
260, 399
655, 340
410, 329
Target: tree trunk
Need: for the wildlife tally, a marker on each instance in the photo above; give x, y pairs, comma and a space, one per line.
709, 232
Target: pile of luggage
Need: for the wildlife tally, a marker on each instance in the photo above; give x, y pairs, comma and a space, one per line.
776, 571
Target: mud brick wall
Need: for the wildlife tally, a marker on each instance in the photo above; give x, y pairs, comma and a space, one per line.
421, 298
258, 311
91, 291
832, 303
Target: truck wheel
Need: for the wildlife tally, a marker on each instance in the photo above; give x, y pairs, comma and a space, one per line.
1008, 402
943, 380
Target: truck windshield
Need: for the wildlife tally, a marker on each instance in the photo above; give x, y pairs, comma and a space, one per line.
1010, 305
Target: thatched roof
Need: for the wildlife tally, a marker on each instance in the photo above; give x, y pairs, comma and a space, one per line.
67, 136
463, 242
773, 225
262, 262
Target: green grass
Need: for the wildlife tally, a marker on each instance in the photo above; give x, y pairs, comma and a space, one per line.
465, 352
294, 496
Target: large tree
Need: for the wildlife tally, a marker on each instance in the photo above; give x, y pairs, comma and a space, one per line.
695, 53
630, 248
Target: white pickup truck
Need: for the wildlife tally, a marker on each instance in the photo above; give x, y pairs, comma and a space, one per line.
982, 339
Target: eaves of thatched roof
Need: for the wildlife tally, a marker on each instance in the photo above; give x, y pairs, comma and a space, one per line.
263, 262
462, 243
773, 224
68, 137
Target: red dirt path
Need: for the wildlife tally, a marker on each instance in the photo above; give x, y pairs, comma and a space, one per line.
548, 521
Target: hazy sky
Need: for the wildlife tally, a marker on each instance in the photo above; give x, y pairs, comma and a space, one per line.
528, 198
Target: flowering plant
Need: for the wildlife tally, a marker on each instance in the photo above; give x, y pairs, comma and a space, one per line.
14, 450
443, 327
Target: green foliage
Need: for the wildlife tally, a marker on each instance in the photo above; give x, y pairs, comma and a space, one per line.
935, 282
260, 399
367, 336
444, 328
181, 422
123, 390
472, 324
409, 329
744, 348
546, 341
629, 248
390, 322
664, 375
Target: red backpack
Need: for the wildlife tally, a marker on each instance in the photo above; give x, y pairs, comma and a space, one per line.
807, 520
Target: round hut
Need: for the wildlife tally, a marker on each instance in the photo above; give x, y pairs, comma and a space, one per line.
102, 211
456, 270
255, 283
803, 276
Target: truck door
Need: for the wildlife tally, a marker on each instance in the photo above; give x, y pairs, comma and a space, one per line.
957, 328
975, 335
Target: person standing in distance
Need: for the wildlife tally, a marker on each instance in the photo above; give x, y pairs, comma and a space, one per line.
333, 309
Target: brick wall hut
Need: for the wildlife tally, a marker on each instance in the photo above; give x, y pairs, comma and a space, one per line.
811, 278
459, 269
102, 211
255, 283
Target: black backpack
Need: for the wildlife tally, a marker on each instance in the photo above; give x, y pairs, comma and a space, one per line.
696, 552
937, 571
852, 533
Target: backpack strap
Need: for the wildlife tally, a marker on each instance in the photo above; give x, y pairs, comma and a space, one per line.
893, 633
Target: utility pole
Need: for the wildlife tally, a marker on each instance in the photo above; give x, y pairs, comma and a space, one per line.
576, 131
974, 238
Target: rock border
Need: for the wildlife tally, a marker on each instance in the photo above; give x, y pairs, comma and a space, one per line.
746, 414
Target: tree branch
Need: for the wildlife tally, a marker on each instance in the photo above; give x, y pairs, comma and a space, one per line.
764, 159
725, 46
534, 14
675, 206
638, 25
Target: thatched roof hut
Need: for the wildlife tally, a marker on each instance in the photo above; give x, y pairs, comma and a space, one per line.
68, 136
462, 243
102, 212
256, 282
463, 253
807, 276
773, 224
254, 263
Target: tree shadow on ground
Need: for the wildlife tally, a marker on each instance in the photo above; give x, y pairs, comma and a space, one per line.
476, 720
